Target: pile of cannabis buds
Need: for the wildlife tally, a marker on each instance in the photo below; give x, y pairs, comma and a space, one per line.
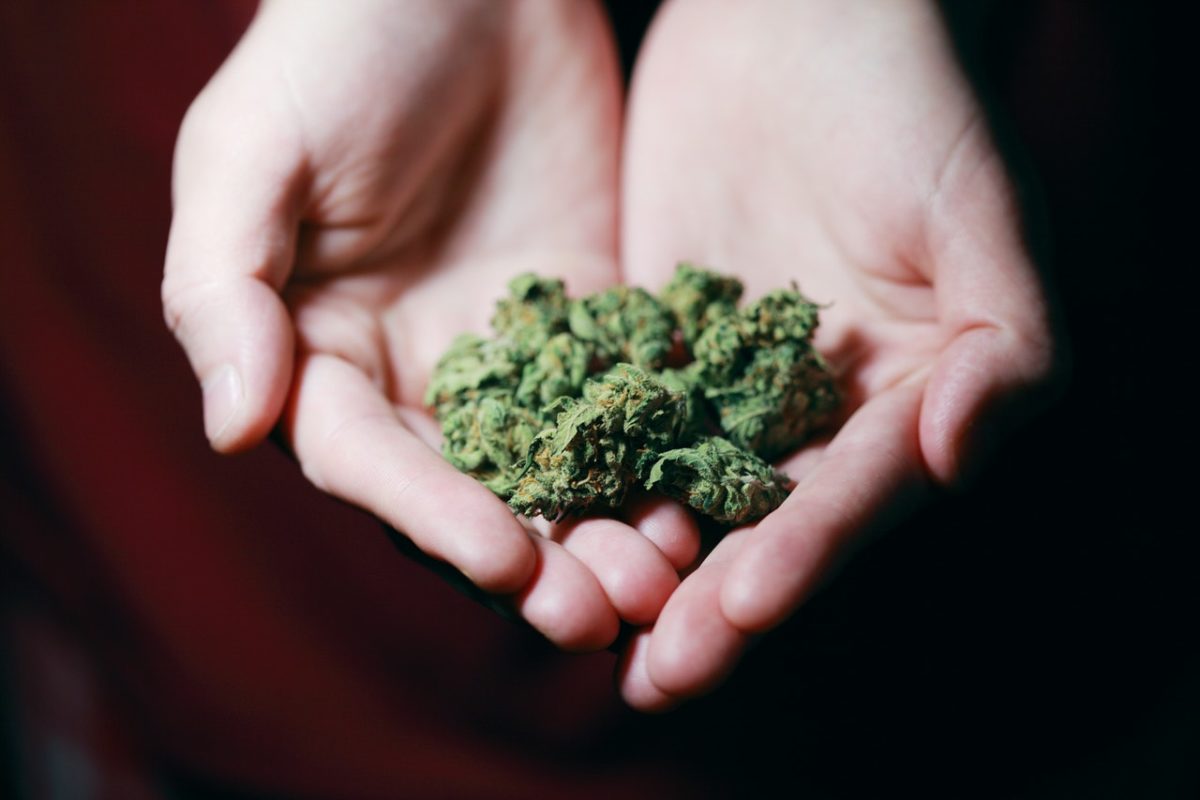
576, 401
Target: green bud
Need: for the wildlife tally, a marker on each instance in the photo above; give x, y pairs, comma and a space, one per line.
719, 479
697, 297
766, 384
774, 404
571, 405
471, 368
688, 381
534, 311
600, 445
624, 325
778, 317
489, 439
558, 370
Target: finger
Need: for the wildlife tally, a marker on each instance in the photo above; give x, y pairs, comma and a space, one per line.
424, 426
351, 444
633, 677
799, 464
694, 647
564, 601
229, 251
636, 577
667, 524
872, 465
983, 383
994, 303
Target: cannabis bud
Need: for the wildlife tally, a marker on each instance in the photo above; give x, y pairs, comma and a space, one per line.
576, 401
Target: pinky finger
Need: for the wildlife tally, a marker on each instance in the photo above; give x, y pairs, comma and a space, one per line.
633, 677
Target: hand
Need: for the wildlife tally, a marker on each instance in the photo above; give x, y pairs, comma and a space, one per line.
352, 190
839, 146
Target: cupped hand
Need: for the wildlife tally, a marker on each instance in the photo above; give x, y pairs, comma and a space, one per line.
837, 145
353, 189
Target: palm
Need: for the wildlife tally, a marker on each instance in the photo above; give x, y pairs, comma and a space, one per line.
765, 143
503, 163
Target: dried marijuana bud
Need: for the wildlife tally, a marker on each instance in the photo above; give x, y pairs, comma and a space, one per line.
688, 382
600, 445
766, 383
534, 311
697, 297
558, 370
624, 324
489, 439
472, 368
720, 479
571, 404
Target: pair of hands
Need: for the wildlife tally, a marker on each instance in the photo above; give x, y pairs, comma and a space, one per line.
356, 186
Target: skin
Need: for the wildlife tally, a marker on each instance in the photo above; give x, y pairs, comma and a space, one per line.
338, 220
837, 145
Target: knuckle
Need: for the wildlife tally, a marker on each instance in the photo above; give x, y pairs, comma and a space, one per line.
173, 306
183, 305
1046, 360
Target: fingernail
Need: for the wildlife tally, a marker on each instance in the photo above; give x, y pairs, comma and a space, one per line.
222, 397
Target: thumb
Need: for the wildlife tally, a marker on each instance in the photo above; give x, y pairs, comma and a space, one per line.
230, 250
1004, 358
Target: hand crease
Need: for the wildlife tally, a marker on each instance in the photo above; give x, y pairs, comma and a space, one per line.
296, 106
953, 156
